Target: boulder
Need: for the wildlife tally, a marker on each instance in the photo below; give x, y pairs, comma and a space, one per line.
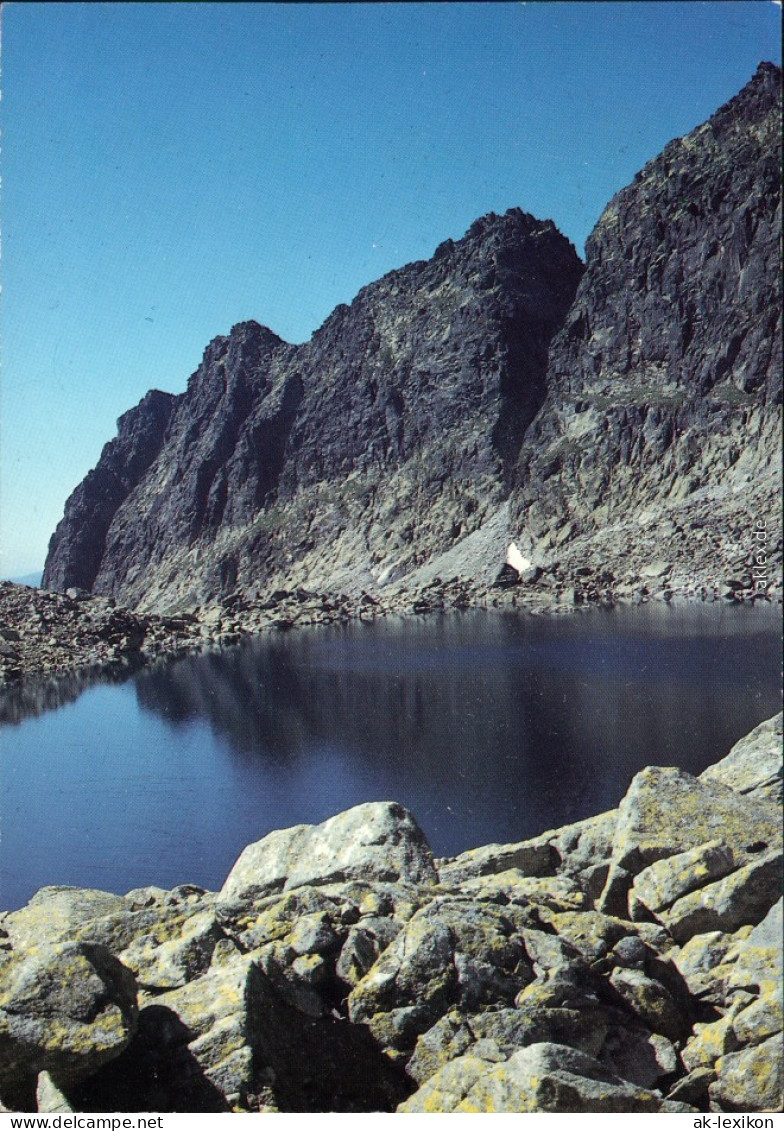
530, 858
65, 1008
563, 1007
543, 1077
743, 897
666, 812
56, 913
699, 957
661, 884
652, 1003
560, 893
376, 841
449, 953
754, 765
751, 1079
165, 938
48, 1096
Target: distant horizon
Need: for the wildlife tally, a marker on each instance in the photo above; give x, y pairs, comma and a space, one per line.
172, 170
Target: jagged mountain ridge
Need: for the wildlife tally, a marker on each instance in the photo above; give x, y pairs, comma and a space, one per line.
412, 415
393, 432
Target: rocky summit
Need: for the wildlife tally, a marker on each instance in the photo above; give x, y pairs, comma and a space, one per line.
346, 461
627, 963
619, 422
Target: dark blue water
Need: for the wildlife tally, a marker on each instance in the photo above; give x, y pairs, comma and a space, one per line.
489, 726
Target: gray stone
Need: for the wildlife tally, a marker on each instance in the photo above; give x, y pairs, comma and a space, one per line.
540, 1078
754, 765
49, 1098
530, 858
751, 1079
653, 1004
65, 1008
744, 897
56, 913
660, 884
376, 841
666, 812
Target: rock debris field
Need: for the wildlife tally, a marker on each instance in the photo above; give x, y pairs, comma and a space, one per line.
627, 963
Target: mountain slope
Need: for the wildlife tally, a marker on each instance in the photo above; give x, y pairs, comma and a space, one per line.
664, 386
391, 434
423, 426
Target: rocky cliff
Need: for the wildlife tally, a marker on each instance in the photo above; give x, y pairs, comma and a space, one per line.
660, 434
391, 434
628, 963
422, 428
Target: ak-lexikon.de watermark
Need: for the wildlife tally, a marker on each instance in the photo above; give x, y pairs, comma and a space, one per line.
759, 569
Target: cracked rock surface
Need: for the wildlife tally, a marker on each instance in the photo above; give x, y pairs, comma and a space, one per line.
342, 968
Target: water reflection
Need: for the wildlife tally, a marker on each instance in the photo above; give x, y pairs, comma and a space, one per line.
490, 727
36, 694
491, 706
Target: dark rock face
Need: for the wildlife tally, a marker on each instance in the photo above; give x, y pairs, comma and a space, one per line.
77, 546
389, 435
670, 359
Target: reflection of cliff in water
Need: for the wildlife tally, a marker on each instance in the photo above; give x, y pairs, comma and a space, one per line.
502, 703
34, 695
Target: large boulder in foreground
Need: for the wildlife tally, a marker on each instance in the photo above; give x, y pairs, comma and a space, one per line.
376, 841
667, 811
65, 1009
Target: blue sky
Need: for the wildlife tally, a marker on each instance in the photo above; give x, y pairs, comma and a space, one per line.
172, 169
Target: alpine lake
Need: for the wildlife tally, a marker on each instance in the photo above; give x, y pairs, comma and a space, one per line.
489, 726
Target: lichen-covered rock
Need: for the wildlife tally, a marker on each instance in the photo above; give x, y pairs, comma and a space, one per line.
754, 765
751, 1079
564, 1008
376, 841
560, 893
591, 933
541, 1077
652, 1003
309, 986
530, 858
666, 812
165, 938
699, 957
57, 913
743, 897
449, 953
194, 1049
65, 1008
660, 884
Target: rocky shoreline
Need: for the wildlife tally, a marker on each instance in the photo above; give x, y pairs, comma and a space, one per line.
45, 635
629, 962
